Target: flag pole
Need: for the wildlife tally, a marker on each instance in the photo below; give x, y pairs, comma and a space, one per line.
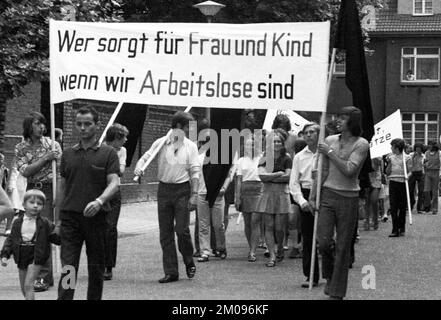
406, 181
111, 121
319, 171
155, 152
56, 251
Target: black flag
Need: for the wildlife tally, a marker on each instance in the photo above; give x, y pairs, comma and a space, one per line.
215, 174
133, 117
349, 38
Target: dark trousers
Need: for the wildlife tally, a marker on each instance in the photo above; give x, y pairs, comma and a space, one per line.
46, 271
111, 239
173, 216
417, 178
340, 213
398, 202
76, 229
307, 227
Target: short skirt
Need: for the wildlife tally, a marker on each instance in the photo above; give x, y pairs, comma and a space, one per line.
26, 257
250, 194
275, 199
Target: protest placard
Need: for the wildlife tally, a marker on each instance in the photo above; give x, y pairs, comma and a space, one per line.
266, 66
385, 131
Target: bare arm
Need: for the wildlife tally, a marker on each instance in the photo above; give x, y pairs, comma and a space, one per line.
94, 206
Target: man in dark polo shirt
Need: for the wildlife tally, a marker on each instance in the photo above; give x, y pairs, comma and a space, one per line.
89, 179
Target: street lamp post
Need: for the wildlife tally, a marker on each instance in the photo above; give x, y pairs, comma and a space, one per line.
209, 9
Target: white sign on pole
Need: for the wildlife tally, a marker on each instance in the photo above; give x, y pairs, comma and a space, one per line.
385, 131
297, 121
263, 66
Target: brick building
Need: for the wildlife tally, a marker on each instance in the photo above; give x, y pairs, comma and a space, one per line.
36, 98
403, 66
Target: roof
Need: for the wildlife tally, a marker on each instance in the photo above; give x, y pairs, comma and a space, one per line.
387, 20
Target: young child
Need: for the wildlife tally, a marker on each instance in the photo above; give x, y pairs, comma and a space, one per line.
29, 241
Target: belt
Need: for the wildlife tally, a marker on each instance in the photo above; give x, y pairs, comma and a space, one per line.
27, 243
38, 185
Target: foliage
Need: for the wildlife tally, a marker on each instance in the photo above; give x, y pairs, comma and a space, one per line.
24, 35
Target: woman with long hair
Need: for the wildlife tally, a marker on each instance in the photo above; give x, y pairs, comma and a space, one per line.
343, 158
274, 204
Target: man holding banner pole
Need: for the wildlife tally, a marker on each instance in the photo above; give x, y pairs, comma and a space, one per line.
178, 175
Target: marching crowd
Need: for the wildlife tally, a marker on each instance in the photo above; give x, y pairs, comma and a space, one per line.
273, 184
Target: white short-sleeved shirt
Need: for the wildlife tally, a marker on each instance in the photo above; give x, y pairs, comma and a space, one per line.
248, 169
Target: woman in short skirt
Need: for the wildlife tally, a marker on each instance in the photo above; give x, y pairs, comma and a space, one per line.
274, 204
248, 193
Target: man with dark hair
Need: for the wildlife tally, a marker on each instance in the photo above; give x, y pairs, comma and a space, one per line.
178, 175
89, 179
33, 157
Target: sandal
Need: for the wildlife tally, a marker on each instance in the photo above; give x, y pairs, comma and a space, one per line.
252, 257
203, 258
271, 263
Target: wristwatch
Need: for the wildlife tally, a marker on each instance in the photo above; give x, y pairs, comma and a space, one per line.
330, 150
99, 201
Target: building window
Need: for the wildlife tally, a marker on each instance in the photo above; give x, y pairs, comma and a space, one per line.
420, 127
340, 66
422, 7
420, 64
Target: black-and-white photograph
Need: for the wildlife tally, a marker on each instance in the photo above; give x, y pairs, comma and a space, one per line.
220, 155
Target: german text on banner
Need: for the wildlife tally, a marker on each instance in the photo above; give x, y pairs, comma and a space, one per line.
385, 131
297, 121
264, 66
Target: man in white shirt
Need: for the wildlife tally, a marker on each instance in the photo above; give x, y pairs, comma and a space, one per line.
300, 185
177, 165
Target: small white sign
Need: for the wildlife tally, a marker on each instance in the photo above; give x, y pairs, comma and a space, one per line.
385, 131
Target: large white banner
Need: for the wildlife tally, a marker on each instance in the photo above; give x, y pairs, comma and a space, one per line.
385, 131
297, 121
265, 66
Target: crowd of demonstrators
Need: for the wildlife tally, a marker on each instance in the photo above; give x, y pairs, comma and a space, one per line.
275, 189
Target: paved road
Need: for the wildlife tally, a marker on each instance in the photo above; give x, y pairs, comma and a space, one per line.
405, 268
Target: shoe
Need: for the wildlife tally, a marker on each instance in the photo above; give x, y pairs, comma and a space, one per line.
384, 219
420, 211
326, 290
295, 254
266, 254
375, 226
335, 298
40, 286
168, 278
394, 235
306, 284
435, 212
252, 257
279, 258
262, 245
108, 274
197, 254
203, 258
271, 263
221, 254
191, 270
401, 233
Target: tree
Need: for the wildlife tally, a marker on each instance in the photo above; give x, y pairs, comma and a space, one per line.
24, 35
244, 11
